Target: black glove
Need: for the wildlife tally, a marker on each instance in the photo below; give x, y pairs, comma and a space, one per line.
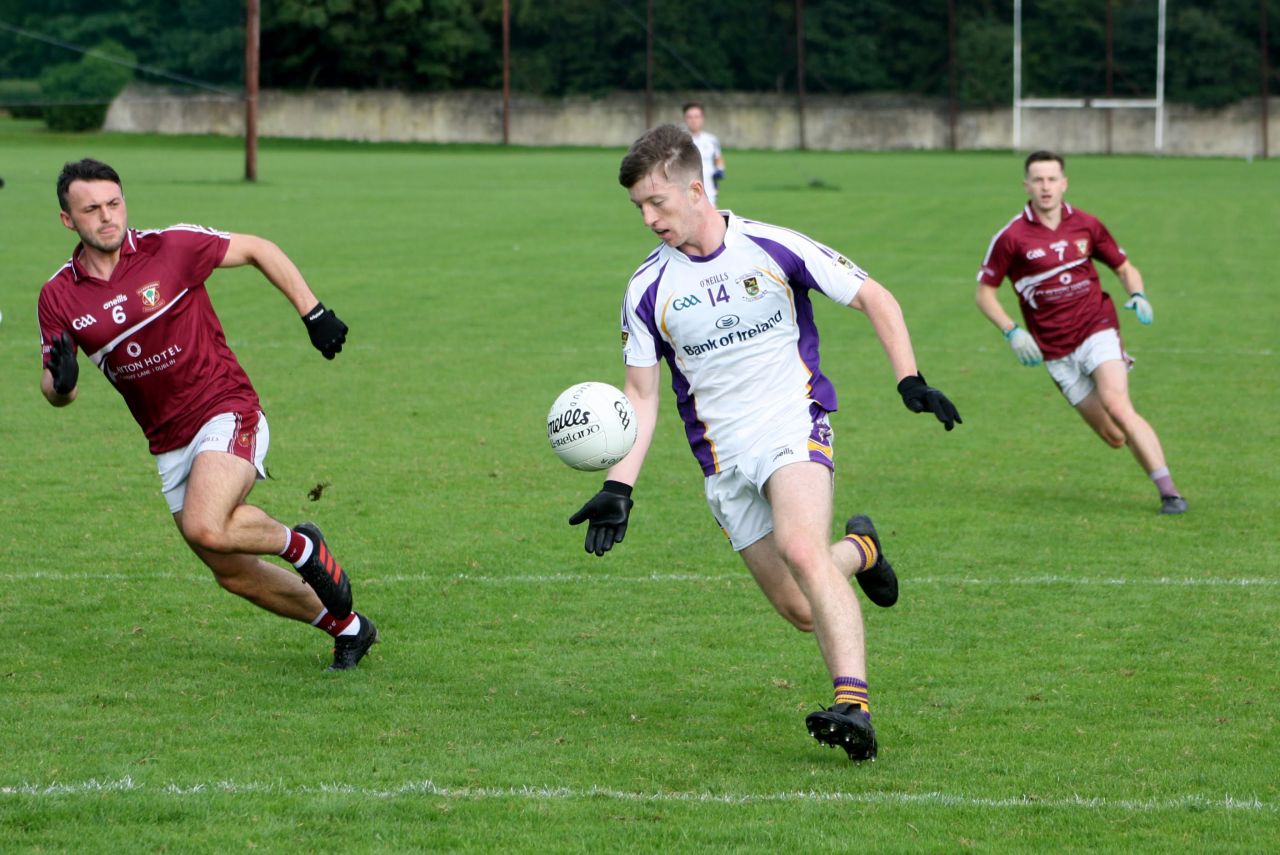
920, 397
607, 512
327, 332
62, 364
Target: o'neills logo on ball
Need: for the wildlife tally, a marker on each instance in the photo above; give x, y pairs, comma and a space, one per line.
570, 426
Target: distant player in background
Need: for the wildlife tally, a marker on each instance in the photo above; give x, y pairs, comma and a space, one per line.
708, 148
1047, 252
135, 302
726, 303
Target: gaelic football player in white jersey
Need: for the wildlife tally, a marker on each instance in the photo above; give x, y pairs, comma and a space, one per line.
708, 147
725, 302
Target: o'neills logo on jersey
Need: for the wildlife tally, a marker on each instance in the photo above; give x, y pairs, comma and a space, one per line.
150, 295
1083, 245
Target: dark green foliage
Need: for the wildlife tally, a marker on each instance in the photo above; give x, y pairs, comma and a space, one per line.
76, 95
590, 47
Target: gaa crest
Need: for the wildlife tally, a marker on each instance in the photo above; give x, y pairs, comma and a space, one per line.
1083, 246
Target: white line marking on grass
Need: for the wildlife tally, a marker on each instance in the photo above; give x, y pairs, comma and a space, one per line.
431, 789
660, 578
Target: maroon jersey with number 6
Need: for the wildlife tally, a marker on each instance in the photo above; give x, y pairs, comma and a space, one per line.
1052, 270
152, 331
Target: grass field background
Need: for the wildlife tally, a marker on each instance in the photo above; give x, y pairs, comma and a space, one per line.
1067, 670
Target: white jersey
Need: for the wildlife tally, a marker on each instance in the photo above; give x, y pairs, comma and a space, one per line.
737, 330
709, 148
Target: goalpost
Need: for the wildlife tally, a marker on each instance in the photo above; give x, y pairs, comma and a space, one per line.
1020, 103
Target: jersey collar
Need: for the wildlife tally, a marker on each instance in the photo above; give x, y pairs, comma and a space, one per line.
129, 247
730, 234
1031, 216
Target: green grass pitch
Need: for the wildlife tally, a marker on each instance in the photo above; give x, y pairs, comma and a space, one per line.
1067, 670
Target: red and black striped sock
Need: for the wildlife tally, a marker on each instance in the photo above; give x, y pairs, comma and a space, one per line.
297, 547
336, 626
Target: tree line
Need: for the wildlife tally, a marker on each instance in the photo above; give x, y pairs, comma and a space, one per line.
590, 47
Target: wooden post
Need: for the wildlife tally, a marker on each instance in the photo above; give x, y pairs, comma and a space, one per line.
800, 69
252, 35
506, 72
648, 66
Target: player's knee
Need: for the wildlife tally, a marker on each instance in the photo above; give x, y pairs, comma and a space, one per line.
799, 617
200, 533
1115, 439
804, 560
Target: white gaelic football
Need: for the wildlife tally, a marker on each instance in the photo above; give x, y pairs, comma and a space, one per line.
591, 426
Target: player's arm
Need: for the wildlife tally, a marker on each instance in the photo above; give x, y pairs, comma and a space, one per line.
989, 304
1131, 279
1023, 344
60, 380
882, 309
327, 332
642, 389
608, 511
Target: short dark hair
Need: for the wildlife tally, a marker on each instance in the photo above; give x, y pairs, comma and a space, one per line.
1043, 156
87, 169
667, 147
687, 107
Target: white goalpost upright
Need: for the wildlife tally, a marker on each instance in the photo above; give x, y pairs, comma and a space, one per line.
1020, 103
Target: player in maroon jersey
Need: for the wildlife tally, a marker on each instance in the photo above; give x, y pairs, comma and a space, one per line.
135, 302
1047, 253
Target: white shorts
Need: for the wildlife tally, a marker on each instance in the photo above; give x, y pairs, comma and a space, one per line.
736, 495
1073, 372
243, 434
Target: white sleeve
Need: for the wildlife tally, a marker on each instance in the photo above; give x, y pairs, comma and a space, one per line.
638, 346
826, 270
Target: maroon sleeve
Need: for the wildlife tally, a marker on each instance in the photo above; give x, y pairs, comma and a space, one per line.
1106, 248
999, 255
201, 249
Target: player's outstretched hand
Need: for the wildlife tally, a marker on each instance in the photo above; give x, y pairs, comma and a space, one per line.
920, 397
1024, 346
62, 364
328, 333
1141, 306
606, 516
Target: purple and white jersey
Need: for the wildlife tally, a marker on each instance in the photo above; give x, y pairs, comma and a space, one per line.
736, 328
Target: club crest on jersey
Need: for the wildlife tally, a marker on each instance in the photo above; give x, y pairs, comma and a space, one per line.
626, 336
751, 287
1083, 245
150, 295
245, 439
844, 262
